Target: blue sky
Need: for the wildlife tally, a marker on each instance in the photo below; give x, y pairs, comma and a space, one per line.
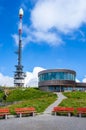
54, 36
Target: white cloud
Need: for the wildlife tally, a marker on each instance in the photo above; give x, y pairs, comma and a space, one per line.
49, 37
16, 38
64, 15
37, 36
77, 81
6, 80
25, 39
32, 77
51, 18
84, 80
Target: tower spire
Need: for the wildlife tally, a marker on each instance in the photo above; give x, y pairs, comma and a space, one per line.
19, 75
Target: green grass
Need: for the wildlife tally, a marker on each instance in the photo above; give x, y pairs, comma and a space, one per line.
30, 97
1, 94
26, 94
40, 104
74, 99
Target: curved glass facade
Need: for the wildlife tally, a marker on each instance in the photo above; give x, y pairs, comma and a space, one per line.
59, 80
56, 76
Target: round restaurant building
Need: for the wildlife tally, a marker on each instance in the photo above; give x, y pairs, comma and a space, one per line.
57, 80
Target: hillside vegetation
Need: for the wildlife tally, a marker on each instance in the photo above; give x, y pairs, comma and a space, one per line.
74, 99
30, 97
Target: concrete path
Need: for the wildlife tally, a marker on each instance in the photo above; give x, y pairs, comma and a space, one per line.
44, 122
56, 103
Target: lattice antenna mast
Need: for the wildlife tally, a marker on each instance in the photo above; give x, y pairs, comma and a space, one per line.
19, 75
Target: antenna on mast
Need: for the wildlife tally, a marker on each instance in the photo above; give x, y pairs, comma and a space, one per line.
19, 75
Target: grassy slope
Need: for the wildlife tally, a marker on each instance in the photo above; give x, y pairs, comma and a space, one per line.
30, 97
75, 99
1, 94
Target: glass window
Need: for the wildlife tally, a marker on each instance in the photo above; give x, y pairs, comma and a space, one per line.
65, 76
61, 75
57, 76
53, 76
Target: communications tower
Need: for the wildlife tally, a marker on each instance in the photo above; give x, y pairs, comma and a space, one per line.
19, 75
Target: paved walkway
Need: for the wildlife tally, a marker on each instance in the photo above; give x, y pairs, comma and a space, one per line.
56, 103
44, 122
